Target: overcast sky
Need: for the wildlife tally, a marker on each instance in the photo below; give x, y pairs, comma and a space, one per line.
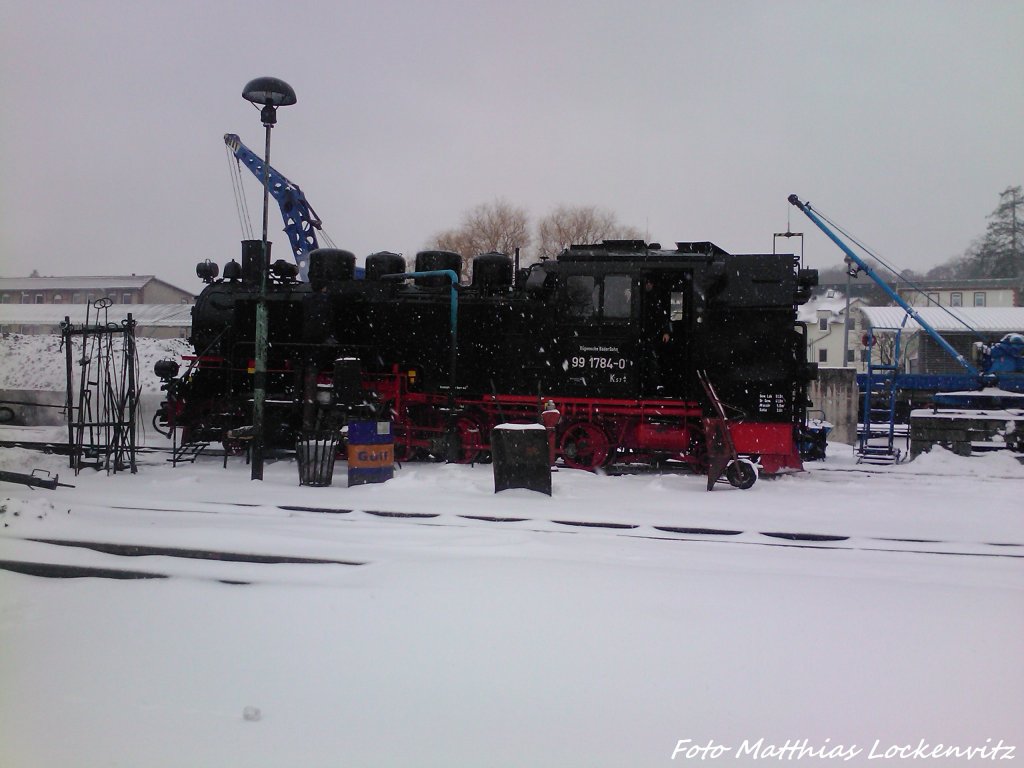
690, 120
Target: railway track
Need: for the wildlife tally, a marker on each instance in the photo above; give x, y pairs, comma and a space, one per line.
119, 554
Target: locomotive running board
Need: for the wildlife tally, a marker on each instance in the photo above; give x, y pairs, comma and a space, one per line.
720, 447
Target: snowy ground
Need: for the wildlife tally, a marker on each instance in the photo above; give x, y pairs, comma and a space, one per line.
40, 363
441, 639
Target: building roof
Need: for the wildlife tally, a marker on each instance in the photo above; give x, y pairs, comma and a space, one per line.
950, 319
151, 315
97, 282
835, 305
90, 283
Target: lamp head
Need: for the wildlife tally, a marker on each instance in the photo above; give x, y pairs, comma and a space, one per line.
269, 93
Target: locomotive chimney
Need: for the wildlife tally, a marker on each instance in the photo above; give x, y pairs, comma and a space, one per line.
253, 262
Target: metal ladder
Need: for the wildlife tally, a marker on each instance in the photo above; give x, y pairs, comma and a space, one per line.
876, 437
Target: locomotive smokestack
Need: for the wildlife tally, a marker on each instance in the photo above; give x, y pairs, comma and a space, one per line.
253, 261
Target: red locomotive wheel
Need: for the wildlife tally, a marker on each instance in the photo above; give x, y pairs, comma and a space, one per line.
585, 446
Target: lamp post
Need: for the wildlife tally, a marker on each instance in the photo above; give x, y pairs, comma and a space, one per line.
268, 93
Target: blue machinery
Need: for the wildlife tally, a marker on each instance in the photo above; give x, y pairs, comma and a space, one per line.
880, 384
300, 220
867, 270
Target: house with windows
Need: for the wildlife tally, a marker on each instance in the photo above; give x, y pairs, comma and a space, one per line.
986, 292
831, 342
37, 305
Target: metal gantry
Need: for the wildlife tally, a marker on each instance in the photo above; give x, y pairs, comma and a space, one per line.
102, 408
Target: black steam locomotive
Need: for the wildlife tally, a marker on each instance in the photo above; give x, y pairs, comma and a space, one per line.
641, 353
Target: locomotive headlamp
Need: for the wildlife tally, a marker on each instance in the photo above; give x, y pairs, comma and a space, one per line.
207, 271
166, 369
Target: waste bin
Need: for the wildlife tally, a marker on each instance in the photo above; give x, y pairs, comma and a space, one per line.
315, 453
520, 458
371, 452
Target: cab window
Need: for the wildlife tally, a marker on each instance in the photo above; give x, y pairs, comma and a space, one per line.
618, 292
582, 293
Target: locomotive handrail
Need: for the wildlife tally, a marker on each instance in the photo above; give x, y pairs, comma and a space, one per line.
454, 278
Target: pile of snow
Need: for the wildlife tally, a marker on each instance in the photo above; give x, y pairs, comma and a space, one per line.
40, 362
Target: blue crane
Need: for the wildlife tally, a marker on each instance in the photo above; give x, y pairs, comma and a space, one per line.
1000, 364
300, 220
808, 211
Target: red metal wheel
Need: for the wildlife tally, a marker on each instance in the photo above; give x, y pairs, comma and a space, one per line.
585, 446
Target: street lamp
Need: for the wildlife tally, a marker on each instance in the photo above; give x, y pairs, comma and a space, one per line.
268, 93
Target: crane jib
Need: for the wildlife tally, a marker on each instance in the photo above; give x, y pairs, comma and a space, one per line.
808, 211
300, 221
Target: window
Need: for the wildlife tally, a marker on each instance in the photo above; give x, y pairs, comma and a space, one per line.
676, 306
76, 298
618, 296
613, 296
58, 299
933, 298
849, 355
822, 355
822, 323
864, 355
26, 299
581, 290
979, 299
956, 299
126, 298
6, 299
39, 298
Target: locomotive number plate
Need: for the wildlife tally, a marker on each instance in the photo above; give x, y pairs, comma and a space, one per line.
593, 363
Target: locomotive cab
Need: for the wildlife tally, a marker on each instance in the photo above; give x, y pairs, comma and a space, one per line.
625, 320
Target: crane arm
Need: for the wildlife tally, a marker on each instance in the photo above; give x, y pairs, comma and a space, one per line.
300, 220
808, 211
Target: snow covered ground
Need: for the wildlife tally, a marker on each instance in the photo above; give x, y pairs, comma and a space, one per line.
39, 362
842, 612
605, 625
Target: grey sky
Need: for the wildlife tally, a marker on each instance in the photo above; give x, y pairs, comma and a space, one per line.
690, 120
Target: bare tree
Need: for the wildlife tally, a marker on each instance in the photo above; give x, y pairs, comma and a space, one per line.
579, 225
498, 226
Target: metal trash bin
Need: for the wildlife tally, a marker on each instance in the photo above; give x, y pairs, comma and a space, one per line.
520, 457
371, 452
315, 452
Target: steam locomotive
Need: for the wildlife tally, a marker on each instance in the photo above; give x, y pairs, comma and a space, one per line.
642, 353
